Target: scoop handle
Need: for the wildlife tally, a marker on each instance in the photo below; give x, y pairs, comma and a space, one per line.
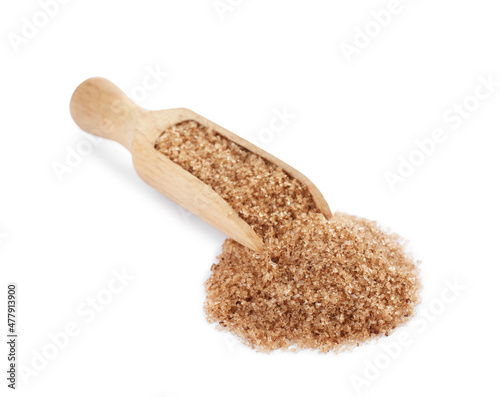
101, 108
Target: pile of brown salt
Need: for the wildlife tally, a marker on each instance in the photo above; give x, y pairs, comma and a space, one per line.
319, 284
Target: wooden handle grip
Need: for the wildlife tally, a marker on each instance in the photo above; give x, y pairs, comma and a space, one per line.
101, 108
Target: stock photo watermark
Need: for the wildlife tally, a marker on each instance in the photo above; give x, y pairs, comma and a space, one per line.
223, 8
85, 313
378, 22
152, 80
30, 27
231, 341
3, 237
276, 125
393, 348
12, 342
453, 118
75, 155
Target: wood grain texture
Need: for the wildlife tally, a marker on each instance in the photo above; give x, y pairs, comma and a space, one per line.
102, 109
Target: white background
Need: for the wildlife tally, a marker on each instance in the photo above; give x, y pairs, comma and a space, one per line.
62, 237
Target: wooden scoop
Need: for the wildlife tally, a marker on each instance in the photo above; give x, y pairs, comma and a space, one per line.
102, 109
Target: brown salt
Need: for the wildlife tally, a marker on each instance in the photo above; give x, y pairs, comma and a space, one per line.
319, 284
